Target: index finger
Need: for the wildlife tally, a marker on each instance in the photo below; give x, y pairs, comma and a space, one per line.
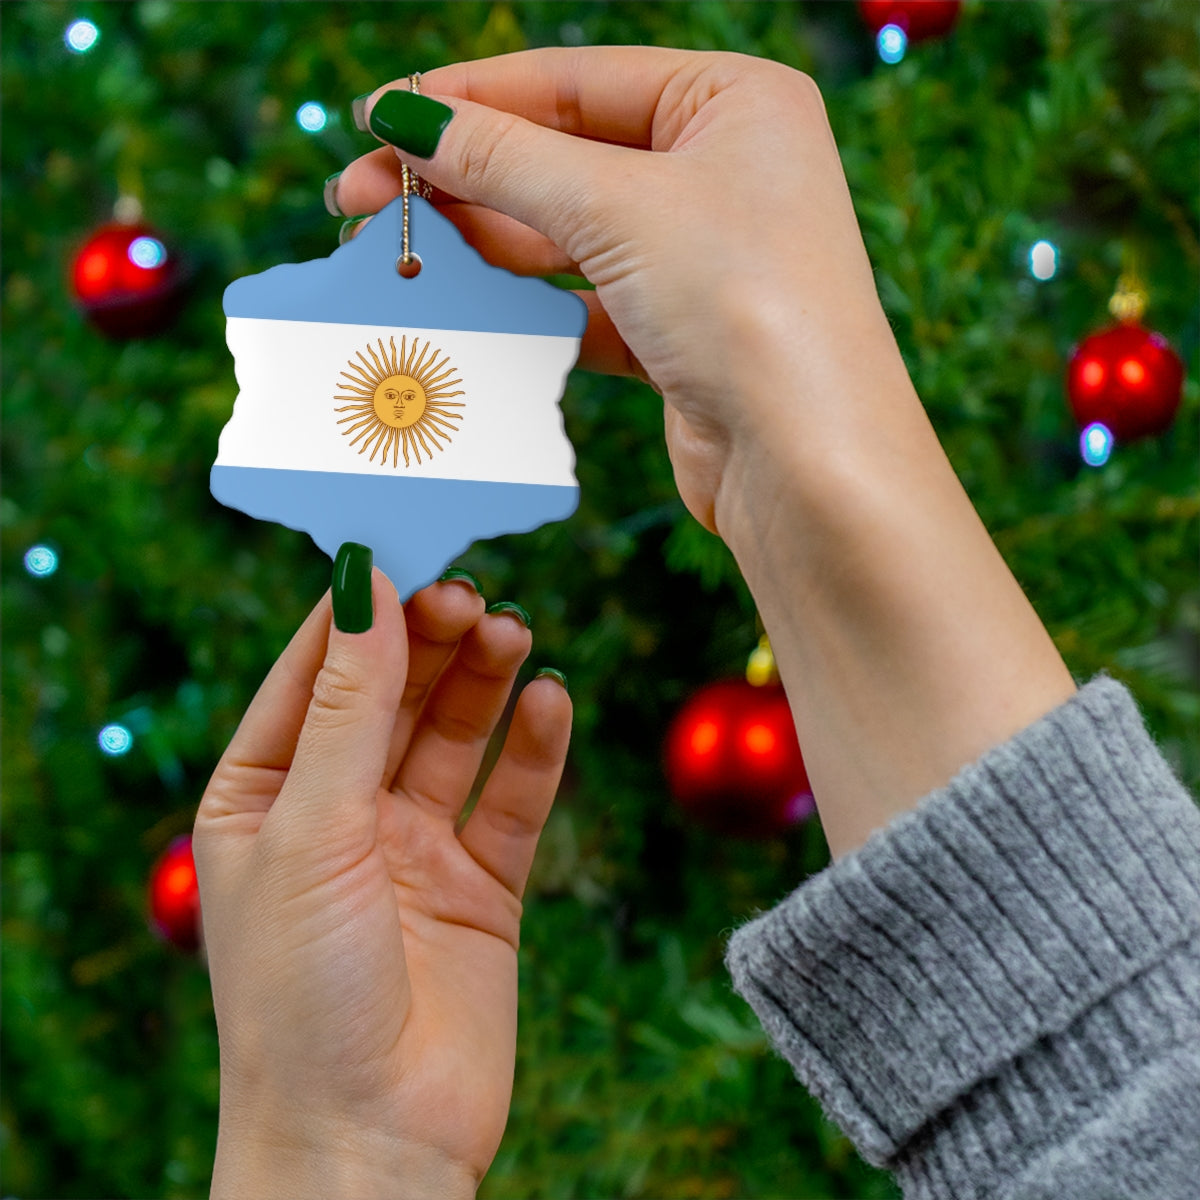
607, 93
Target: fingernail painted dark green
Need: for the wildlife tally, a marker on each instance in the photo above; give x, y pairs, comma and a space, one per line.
553, 673
358, 110
353, 611
414, 123
347, 229
465, 576
329, 195
510, 606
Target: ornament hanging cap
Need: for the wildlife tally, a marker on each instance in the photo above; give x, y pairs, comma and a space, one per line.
1128, 302
760, 667
128, 209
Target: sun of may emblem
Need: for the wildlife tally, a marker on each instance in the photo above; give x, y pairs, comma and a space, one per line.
399, 401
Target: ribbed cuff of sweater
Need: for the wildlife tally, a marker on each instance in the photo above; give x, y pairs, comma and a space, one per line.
973, 981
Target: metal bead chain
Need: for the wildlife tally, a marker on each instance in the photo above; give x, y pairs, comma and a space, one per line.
411, 182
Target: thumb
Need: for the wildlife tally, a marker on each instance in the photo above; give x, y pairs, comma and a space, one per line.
551, 181
340, 756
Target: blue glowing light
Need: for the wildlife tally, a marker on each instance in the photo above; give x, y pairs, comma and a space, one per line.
115, 740
311, 117
891, 43
1043, 260
1096, 444
81, 36
147, 252
41, 561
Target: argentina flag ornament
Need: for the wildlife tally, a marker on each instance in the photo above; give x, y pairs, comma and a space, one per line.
413, 415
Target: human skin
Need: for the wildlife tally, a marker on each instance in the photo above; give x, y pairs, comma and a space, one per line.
731, 275
703, 196
363, 952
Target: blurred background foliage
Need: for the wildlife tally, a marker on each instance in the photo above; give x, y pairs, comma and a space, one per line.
640, 1073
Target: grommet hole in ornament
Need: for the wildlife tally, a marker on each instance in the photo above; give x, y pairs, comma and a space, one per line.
410, 269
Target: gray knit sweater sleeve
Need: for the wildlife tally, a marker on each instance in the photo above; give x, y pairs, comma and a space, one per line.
998, 995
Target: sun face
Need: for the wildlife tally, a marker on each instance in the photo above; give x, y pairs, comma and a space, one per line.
399, 401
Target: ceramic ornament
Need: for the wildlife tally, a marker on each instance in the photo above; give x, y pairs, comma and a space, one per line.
412, 415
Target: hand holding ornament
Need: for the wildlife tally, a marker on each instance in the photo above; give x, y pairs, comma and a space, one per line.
363, 951
703, 196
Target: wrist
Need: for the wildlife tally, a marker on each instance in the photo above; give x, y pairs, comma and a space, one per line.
307, 1156
827, 411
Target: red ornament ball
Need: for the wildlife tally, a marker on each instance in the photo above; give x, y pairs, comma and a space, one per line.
126, 281
175, 896
1128, 379
920, 19
733, 761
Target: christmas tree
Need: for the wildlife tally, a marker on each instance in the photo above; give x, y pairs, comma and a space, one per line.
140, 616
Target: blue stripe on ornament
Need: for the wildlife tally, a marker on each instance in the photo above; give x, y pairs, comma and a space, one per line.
416, 527
456, 288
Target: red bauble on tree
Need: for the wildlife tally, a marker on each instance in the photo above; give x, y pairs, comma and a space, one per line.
733, 762
127, 281
920, 19
175, 896
1126, 378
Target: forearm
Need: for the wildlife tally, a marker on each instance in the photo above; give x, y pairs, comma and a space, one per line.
906, 646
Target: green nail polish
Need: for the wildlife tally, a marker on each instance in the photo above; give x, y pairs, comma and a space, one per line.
358, 110
347, 229
552, 673
353, 611
465, 576
414, 123
510, 606
329, 194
